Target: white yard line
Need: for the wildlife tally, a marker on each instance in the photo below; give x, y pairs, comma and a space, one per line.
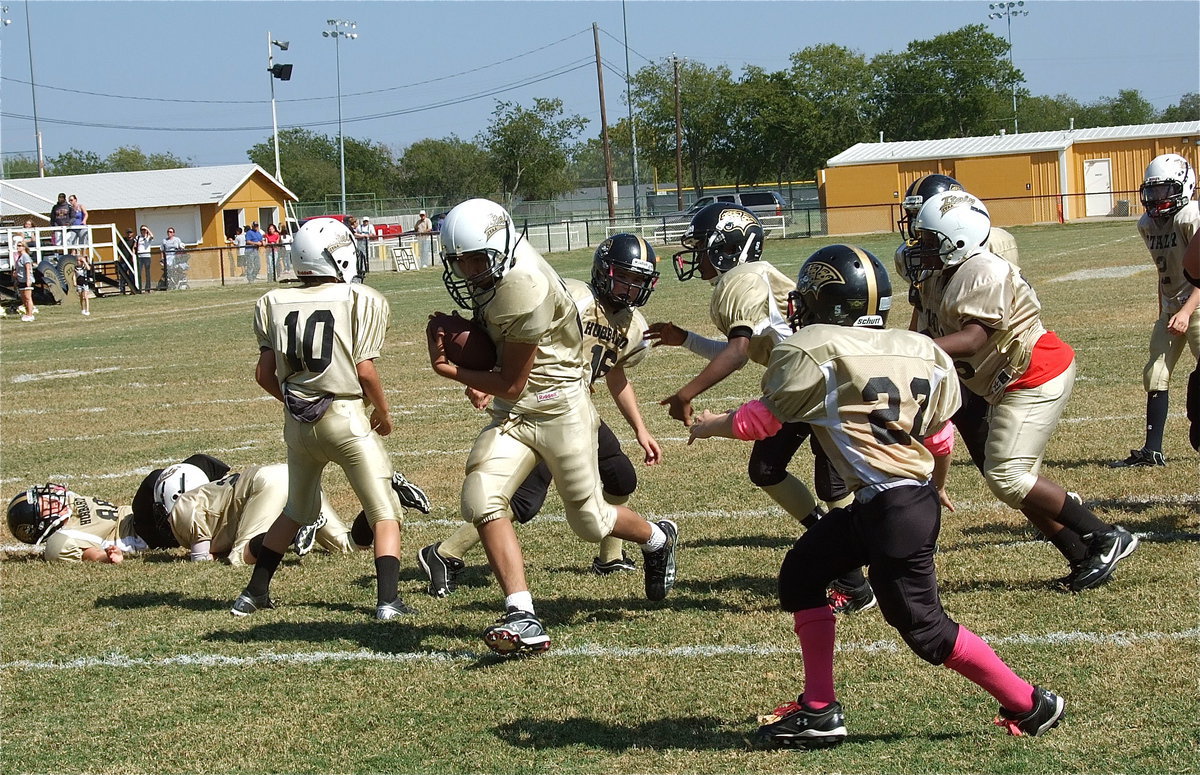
592, 650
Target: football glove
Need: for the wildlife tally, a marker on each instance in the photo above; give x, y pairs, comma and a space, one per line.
411, 496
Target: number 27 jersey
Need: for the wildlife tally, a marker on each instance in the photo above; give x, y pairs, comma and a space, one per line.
871, 396
320, 334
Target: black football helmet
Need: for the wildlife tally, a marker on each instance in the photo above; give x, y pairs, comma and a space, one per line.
35, 514
918, 193
841, 285
728, 234
632, 256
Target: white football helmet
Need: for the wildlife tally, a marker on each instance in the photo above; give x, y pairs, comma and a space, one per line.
1169, 184
950, 228
175, 481
477, 226
324, 247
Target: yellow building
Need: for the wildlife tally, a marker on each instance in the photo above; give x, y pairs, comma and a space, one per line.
1038, 177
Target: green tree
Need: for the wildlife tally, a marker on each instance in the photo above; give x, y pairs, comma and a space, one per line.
131, 158
448, 169
958, 84
1187, 109
75, 162
20, 167
529, 148
587, 160
832, 105
707, 98
308, 162
1045, 114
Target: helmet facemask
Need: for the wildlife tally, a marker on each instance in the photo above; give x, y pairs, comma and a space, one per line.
35, 515
478, 246
473, 291
1168, 186
624, 270
1162, 197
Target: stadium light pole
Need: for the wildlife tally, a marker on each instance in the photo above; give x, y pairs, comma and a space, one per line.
1008, 11
338, 29
283, 73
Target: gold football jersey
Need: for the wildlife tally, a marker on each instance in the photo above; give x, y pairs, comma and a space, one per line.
1167, 240
755, 296
610, 339
320, 334
870, 395
213, 512
988, 290
533, 306
93, 524
1004, 245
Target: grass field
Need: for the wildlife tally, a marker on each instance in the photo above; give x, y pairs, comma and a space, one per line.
139, 667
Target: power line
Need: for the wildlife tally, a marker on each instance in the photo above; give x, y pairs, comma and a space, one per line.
422, 82
563, 70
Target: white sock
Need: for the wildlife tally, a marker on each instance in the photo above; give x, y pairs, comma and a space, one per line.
520, 600
658, 539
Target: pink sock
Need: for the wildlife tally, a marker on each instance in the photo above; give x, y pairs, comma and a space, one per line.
815, 627
975, 660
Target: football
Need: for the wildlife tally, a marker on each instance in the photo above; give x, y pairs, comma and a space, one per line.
466, 342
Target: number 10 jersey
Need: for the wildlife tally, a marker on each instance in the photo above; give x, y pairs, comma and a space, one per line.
320, 334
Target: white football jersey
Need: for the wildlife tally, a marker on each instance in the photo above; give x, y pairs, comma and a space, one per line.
93, 524
754, 296
610, 338
320, 334
533, 306
1167, 240
988, 290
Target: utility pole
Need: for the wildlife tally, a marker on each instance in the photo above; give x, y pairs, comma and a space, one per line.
608, 170
678, 139
37, 133
637, 204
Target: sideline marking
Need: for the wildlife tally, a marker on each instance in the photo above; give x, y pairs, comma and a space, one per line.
1107, 273
590, 650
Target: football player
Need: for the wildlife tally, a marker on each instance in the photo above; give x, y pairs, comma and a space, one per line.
1167, 227
317, 349
74, 527
971, 417
1191, 270
624, 273
871, 396
724, 244
983, 313
541, 411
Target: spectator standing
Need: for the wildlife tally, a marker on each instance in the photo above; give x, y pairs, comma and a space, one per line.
424, 225
85, 283
285, 239
271, 238
171, 246
79, 218
253, 255
61, 215
23, 279
125, 277
145, 240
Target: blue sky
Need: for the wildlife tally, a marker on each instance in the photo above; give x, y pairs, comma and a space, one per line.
190, 77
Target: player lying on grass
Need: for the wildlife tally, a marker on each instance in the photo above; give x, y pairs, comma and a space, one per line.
871, 395
178, 506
